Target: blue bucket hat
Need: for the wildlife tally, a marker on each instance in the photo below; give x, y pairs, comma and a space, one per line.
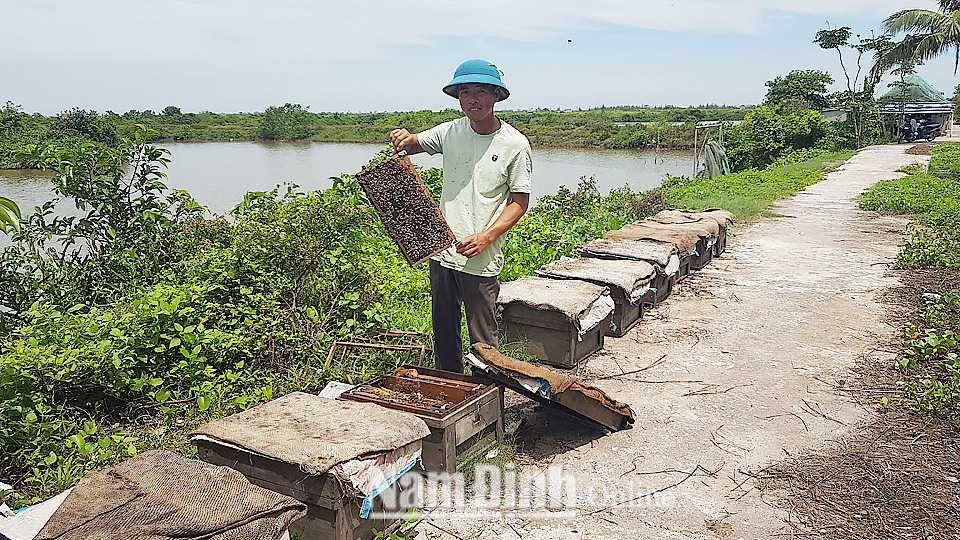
476, 71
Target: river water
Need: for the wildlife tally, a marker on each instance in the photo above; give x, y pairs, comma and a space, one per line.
218, 174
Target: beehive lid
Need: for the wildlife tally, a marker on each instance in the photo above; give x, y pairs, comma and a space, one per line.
627, 275
161, 495
571, 297
723, 217
405, 207
705, 226
684, 238
638, 249
568, 394
316, 433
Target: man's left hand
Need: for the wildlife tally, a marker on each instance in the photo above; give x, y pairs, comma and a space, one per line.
471, 246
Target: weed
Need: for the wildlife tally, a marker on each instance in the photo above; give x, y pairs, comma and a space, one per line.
931, 349
913, 168
405, 529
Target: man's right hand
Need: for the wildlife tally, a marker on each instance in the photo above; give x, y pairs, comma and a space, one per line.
404, 140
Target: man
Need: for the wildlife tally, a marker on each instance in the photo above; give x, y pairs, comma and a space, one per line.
486, 189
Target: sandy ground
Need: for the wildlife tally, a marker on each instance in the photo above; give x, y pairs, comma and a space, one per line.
744, 362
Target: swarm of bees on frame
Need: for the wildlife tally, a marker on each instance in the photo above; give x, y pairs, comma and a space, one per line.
406, 208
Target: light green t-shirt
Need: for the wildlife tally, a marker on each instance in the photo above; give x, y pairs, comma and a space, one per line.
479, 173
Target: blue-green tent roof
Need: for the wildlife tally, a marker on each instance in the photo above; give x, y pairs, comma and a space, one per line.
917, 90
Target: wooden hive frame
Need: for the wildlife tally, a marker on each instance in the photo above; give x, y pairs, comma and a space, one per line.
470, 424
405, 348
406, 208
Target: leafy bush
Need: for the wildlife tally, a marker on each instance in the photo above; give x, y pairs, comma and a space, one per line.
170, 350
121, 235
559, 223
291, 121
931, 349
87, 125
768, 132
927, 248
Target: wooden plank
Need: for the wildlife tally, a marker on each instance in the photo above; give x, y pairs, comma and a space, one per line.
324, 487
591, 409
488, 412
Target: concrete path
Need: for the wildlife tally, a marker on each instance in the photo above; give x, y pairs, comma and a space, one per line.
742, 364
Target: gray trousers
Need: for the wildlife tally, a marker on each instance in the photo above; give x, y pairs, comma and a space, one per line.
478, 295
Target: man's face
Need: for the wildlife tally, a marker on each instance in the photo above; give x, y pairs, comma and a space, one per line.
476, 100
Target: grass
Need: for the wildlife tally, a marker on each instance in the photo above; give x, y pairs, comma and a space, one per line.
749, 194
934, 205
946, 158
933, 240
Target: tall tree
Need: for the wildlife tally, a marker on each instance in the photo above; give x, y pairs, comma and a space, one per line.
928, 34
806, 85
859, 102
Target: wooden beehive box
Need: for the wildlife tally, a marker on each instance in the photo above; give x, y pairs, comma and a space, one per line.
294, 445
625, 279
539, 314
406, 208
550, 336
464, 413
331, 512
662, 255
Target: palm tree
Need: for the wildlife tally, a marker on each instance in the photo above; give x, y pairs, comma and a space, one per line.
929, 34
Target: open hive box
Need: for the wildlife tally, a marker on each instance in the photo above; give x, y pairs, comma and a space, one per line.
464, 413
406, 208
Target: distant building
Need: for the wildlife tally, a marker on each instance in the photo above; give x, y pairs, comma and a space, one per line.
918, 98
834, 115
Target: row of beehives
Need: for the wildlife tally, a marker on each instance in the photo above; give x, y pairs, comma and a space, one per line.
562, 315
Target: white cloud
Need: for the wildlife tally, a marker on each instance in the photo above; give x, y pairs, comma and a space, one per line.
245, 31
336, 55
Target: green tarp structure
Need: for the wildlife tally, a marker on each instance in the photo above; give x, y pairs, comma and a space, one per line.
716, 158
917, 90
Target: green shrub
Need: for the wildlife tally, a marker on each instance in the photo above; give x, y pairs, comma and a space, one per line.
769, 132
559, 223
945, 158
934, 204
932, 350
171, 350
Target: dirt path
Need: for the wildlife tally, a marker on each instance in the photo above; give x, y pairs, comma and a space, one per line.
744, 362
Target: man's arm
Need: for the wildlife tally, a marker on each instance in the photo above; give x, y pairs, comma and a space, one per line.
404, 140
472, 245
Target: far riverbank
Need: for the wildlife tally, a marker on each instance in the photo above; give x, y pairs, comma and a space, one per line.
218, 174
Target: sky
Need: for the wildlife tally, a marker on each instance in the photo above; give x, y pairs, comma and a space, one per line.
374, 55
